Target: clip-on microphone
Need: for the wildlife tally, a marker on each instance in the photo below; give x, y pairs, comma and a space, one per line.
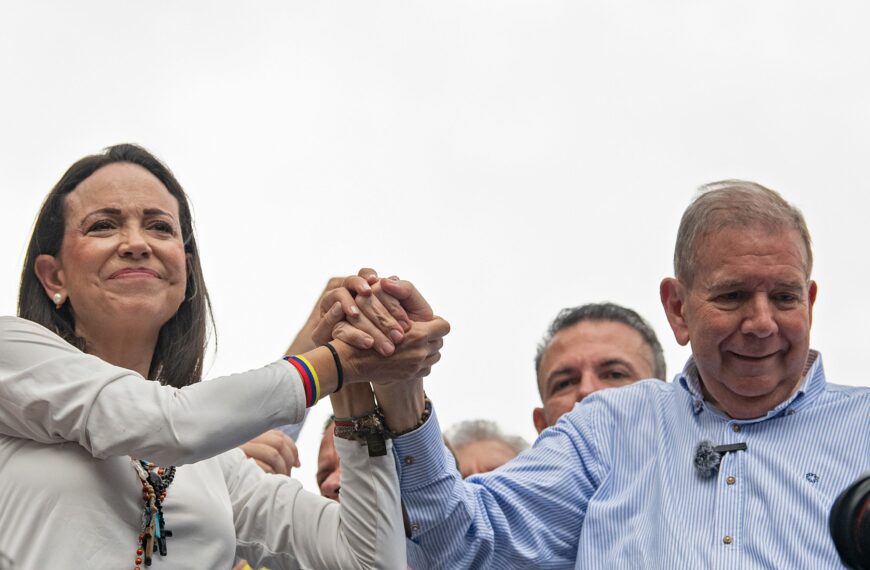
708, 457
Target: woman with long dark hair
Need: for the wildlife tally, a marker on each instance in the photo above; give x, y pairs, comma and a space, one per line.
114, 455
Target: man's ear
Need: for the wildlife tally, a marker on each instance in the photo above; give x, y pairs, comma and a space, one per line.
49, 272
539, 419
673, 295
812, 292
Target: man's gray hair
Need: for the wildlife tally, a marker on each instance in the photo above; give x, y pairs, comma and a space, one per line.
469, 431
734, 203
605, 312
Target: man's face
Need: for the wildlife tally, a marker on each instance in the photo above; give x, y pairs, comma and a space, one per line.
328, 468
584, 358
747, 315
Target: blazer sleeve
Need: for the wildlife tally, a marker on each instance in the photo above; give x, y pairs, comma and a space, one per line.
281, 526
51, 392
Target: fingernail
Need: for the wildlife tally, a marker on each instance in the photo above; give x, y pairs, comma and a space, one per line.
394, 278
387, 348
354, 311
396, 336
368, 341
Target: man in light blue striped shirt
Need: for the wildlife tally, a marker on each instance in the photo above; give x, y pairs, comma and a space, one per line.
614, 484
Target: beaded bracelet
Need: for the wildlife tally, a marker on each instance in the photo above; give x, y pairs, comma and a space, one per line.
427, 411
355, 428
368, 429
309, 378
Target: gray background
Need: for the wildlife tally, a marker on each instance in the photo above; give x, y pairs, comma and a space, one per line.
510, 158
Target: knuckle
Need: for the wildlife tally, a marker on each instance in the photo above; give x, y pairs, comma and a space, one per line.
384, 320
342, 336
267, 439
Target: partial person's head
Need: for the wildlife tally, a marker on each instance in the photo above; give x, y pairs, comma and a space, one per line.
480, 446
742, 295
589, 348
113, 248
328, 465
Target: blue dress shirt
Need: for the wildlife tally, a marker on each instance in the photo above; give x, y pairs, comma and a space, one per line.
612, 485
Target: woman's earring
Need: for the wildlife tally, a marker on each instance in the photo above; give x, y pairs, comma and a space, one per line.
58, 300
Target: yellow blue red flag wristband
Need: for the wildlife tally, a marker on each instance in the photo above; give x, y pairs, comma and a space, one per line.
309, 378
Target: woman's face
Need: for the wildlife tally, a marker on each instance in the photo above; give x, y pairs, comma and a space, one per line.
122, 264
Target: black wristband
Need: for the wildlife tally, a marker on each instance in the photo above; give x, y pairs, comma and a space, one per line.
339, 371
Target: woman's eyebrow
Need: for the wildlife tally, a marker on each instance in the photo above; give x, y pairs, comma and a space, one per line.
157, 212
115, 212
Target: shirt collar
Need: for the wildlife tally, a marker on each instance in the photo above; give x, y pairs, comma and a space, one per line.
812, 382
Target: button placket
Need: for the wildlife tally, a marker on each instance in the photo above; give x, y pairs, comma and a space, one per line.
730, 499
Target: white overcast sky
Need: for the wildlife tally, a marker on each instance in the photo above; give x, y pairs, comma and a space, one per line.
511, 158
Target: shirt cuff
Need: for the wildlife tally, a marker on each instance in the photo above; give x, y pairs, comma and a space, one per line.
421, 456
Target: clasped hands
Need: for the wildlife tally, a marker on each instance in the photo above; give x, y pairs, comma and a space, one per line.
396, 335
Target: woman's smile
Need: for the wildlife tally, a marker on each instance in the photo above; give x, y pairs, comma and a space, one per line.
135, 273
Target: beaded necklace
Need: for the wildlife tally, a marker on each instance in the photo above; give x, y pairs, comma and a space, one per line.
152, 531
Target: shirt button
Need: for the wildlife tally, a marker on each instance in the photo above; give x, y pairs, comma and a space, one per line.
790, 413
731, 479
735, 428
409, 460
415, 527
727, 539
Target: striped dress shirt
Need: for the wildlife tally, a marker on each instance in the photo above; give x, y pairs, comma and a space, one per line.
613, 485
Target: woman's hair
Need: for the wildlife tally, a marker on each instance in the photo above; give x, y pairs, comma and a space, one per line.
180, 351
